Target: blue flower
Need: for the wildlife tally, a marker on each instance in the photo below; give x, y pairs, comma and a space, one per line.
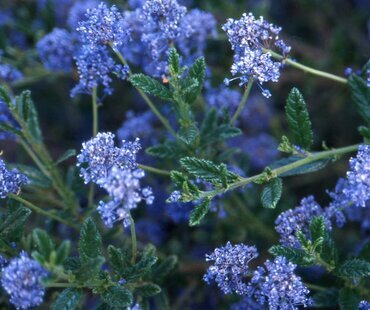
364, 305
230, 267
56, 50
10, 180
103, 25
21, 279
77, 13
7, 119
223, 97
278, 286
99, 155
250, 38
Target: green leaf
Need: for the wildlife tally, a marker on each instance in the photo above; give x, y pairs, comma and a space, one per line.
271, 194
308, 168
317, 228
162, 269
354, 268
174, 62
188, 134
67, 300
11, 227
117, 297
167, 150
360, 96
63, 252
326, 299
225, 131
142, 268
7, 128
90, 241
207, 170
32, 120
120, 262
199, 212
348, 299
4, 96
45, 246
197, 71
68, 154
148, 290
299, 119
151, 86
294, 255
329, 251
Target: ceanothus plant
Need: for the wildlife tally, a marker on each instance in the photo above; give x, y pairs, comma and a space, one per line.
187, 151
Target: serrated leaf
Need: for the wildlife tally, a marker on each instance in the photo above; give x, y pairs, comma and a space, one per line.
308, 168
360, 96
45, 246
68, 154
142, 268
167, 150
174, 62
199, 212
162, 269
117, 297
90, 241
72, 264
67, 300
63, 252
299, 119
188, 134
225, 131
197, 71
294, 255
317, 228
4, 96
271, 194
10, 129
329, 251
148, 290
354, 268
12, 225
119, 261
151, 86
348, 299
32, 121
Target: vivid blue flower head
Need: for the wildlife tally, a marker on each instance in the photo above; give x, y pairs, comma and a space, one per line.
278, 286
102, 26
77, 13
230, 267
364, 305
21, 279
123, 186
11, 181
250, 39
99, 155
56, 50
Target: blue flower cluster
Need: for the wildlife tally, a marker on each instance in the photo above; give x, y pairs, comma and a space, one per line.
230, 267
10, 180
278, 286
9, 73
251, 39
21, 279
115, 170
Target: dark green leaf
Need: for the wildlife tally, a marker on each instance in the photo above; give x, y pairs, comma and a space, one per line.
199, 212
329, 251
317, 228
119, 261
162, 269
354, 268
148, 290
197, 71
142, 268
72, 264
63, 251
11, 227
117, 297
225, 131
90, 241
271, 193
151, 86
348, 299
188, 134
67, 300
4, 96
166, 150
174, 62
45, 246
68, 154
294, 255
360, 96
10, 129
32, 121
299, 119
308, 168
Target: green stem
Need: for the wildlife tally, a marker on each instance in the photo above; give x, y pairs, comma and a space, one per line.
307, 69
95, 112
316, 287
163, 120
154, 170
242, 101
281, 170
133, 239
42, 211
